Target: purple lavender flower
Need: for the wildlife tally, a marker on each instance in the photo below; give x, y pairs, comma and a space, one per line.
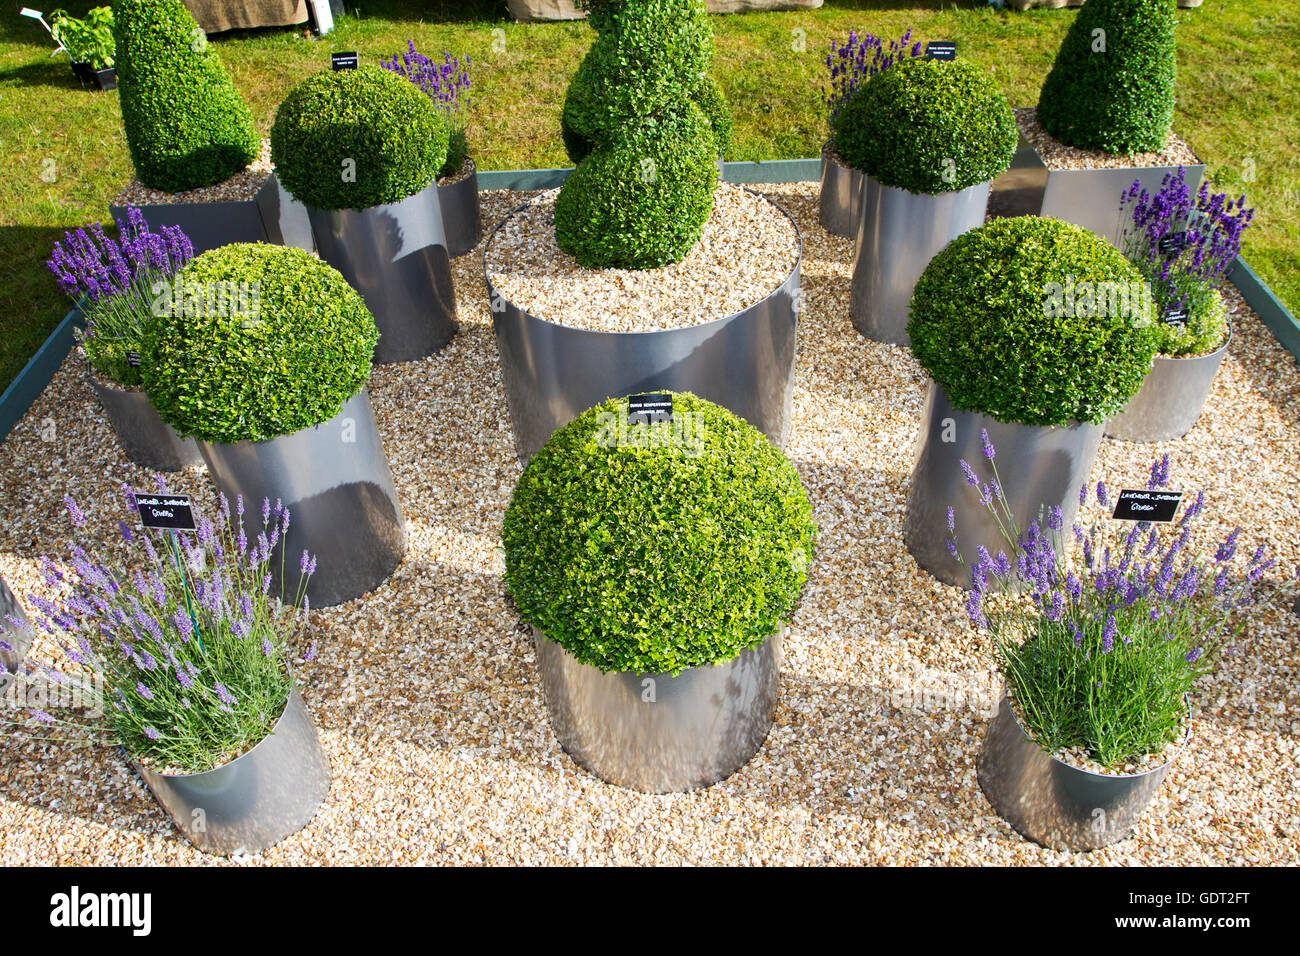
1055, 519
1159, 473
1101, 493
1108, 634
952, 520
1193, 655
311, 652
975, 612
152, 734
969, 472
223, 695
1228, 549
986, 444
143, 691
861, 57
78, 519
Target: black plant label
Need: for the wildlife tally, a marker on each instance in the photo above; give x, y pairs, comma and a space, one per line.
347, 60
172, 512
133, 359
1157, 506
1172, 244
1175, 315
645, 409
941, 50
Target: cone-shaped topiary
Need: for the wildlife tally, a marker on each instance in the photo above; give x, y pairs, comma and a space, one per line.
186, 124
1112, 85
656, 548
352, 139
643, 82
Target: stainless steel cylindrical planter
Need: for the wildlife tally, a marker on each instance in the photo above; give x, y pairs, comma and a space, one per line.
147, 440
396, 256
343, 508
744, 362
899, 232
838, 208
1090, 197
461, 218
1041, 466
1052, 803
257, 799
1170, 399
18, 636
655, 732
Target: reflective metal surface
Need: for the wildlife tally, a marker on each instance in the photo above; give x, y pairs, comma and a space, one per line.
899, 232
256, 800
461, 218
553, 373
838, 211
18, 637
1040, 467
284, 219
147, 440
396, 257
655, 732
1170, 399
343, 506
1019, 191
1052, 803
1090, 197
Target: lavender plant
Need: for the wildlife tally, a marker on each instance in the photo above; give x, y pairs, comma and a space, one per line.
190, 650
447, 84
858, 59
1099, 650
1185, 247
117, 279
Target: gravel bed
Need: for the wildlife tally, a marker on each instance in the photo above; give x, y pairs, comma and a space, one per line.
239, 187
1059, 156
745, 252
429, 704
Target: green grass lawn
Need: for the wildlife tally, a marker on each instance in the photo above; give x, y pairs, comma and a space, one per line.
1238, 105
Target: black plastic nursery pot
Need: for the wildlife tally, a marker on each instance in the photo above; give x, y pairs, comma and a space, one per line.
343, 507
272, 215
655, 732
146, 439
1057, 805
837, 209
256, 800
397, 257
100, 79
462, 218
1041, 467
17, 636
1171, 398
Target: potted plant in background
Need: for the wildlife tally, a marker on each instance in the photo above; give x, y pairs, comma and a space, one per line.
644, 272
273, 386
929, 136
116, 282
851, 64
447, 85
1034, 332
658, 629
89, 44
1185, 248
199, 160
1105, 112
1100, 664
362, 149
190, 651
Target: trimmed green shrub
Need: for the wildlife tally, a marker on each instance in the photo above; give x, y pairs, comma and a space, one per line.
1114, 91
642, 200
928, 126
352, 139
657, 548
186, 124
644, 114
262, 341
1036, 321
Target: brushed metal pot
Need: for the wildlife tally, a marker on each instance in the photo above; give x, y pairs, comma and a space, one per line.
655, 732
396, 256
898, 233
461, 218
1170, 399
257, 799
1041, 466
838, 208
1052, 803
553, 373
343, 508
147, 440
18, 637
1090, 197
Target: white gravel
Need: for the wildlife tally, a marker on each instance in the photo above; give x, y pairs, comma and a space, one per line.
1056, 155
429, 703
239, 187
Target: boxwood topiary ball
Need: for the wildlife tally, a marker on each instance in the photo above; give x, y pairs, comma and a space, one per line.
1113, 90
186, 124
657, 548
928, 126
262, 341
353, 139
642, 200
1036, 321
